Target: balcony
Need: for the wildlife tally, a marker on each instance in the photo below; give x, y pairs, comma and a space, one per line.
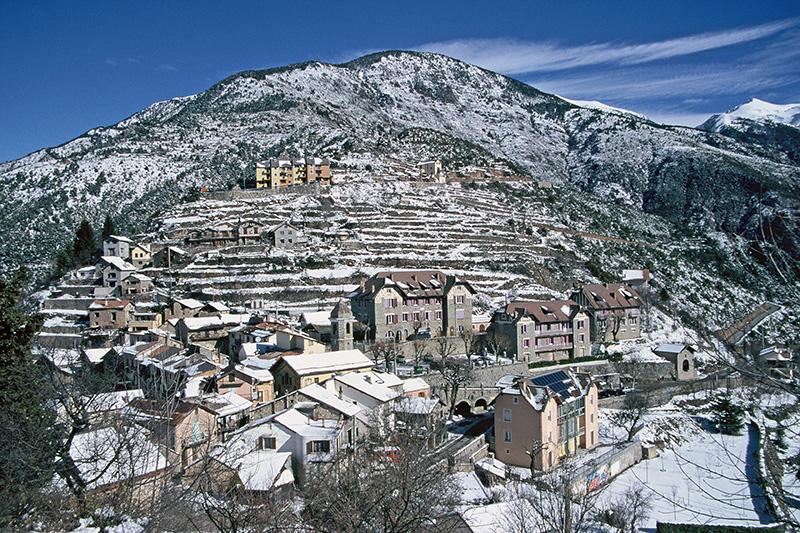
553, 347
545, 333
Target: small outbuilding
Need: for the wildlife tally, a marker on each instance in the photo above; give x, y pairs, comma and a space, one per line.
681, 356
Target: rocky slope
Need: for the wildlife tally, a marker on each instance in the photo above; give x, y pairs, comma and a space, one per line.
389, 107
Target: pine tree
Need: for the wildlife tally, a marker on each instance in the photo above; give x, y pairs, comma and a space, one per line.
84, 247
29, 442
108, 227
728, 416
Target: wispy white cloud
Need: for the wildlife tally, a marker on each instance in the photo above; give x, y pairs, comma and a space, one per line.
167, 67
111, 62
511, 56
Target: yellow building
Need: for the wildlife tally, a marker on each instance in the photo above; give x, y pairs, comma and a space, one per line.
286, 172
294, 372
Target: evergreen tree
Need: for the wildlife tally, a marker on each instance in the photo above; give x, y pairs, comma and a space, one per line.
108, 227
728, 416
29, 442
84, 247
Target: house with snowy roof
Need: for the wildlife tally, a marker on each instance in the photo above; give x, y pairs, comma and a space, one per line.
542, 330
117, 246
250, 379
140, 255
285, 236
540, 419
637, 278
113, 270
614, 310
110, 314
778, 360
183, 308
170, 256
423, 418
137, 284
682, 358
185, 428
296, 371
397, 305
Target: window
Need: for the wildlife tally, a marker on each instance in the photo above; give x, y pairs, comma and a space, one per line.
506, 415
632, 321
591, 437
231, 378
685, 365
405, 317
516, 400
523, 328
459, 314
427, 315
318, 446
460, 299
580, 324
437, 315
549, 327
507, 436
583, 337
267, 443
416, 316
526, 343
591, 418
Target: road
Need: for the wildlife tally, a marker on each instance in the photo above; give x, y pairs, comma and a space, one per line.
734, 333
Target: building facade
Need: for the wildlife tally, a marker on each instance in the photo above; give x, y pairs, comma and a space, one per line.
614, 310
541, 419
284, 172
403, 304
542, 330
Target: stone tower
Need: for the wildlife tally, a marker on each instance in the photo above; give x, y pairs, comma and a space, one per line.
342, 326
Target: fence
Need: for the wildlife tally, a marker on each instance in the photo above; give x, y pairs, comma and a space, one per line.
605, 467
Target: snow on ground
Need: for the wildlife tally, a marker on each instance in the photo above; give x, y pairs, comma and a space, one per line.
709, 479
471, 489
665, 329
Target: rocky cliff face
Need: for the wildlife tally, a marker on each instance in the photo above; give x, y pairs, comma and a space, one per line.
385, 108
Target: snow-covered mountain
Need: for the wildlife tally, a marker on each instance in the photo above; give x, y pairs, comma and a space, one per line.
600, 106
372, 113
755, 110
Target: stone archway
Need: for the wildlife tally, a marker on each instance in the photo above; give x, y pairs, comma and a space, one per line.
481, 404
463, 408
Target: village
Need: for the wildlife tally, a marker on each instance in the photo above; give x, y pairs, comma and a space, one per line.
210, 360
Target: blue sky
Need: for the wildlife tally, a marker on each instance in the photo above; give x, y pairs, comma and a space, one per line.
69, 66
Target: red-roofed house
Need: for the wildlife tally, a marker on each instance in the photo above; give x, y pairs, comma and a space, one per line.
613, 309
543, 330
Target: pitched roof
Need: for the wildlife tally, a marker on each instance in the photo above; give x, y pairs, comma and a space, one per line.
327, 362
370, 383
191, 303
544, 310
412, 283
117, 262
117, 238
610, 296
669, 347
324, 396
109, 304
415, 384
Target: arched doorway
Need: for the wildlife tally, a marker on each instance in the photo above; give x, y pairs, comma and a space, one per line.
481, 404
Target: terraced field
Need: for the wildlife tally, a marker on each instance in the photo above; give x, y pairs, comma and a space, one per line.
390, 224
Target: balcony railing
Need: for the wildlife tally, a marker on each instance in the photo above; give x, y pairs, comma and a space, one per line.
545, 333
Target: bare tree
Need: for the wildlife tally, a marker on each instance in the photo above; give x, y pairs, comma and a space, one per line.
630, 417
386, 352
627, 512
560, 500
420, 348
443, 346
495, 343
468, 338
389, 485
456, 373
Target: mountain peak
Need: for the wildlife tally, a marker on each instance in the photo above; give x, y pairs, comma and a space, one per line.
756, 110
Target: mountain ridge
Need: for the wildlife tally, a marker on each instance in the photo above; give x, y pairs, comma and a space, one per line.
369, 113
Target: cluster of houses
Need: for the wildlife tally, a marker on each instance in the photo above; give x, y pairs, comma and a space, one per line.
261, 398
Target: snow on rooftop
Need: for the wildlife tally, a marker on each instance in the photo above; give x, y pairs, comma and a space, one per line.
324, 396
117, 262
415, 384
317, 318
668, 347
328, 362
370, 383
226, 404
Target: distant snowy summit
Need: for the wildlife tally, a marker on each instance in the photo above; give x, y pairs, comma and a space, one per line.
755, 110
600, 106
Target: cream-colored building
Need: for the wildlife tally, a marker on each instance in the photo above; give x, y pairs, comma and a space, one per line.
540, 419
284, 171
294, 372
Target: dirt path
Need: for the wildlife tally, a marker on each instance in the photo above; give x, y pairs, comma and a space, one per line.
734, 333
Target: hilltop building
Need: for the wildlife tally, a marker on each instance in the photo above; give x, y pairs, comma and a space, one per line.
283, 171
